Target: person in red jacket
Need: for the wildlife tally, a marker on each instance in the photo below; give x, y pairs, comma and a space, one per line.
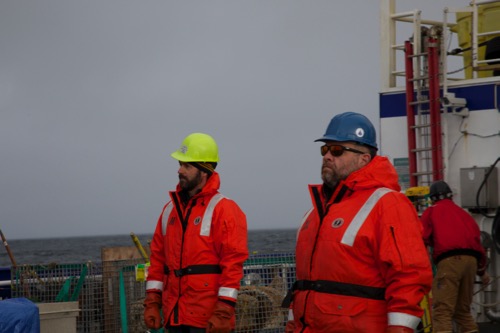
198, 249
361, 263
458, 255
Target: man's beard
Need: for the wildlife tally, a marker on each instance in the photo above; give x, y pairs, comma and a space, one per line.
189, 185
329, 177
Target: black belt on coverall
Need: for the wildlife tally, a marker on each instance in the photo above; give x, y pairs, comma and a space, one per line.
458, 252
332, 287
195, 269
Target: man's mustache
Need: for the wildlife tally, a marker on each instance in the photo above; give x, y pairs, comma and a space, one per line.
328, 165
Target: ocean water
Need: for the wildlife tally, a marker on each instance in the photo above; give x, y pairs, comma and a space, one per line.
72, 250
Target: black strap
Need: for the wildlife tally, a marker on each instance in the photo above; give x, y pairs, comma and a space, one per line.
341, 193
458, 252
177, 206
198, 269
333, 287
319, 204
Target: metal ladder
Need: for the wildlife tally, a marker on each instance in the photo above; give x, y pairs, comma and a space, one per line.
425, 77
423, 108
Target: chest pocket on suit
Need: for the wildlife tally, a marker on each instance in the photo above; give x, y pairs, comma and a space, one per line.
344, 231
360, 218
206, 219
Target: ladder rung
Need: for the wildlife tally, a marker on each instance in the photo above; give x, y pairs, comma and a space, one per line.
419, 150
415, 55
420, 78
419, 102
422, 173
420, 126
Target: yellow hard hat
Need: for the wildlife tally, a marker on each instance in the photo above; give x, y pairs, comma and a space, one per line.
197, 147
417, 191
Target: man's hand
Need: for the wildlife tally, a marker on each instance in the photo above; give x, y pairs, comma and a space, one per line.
485, 279
152, 306
220, 322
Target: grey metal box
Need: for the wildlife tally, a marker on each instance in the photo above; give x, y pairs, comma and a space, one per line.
470, 181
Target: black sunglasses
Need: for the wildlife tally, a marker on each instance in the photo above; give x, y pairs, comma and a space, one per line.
338, 150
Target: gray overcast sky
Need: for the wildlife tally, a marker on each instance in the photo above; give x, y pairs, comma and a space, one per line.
95, 95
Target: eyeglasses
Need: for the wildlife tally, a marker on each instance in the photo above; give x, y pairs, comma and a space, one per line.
338, 150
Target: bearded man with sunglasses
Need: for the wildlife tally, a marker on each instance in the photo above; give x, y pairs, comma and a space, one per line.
361, 263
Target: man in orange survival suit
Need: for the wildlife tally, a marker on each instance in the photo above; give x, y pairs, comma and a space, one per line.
361, 263
198, 248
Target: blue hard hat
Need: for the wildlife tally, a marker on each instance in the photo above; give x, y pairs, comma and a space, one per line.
351, 126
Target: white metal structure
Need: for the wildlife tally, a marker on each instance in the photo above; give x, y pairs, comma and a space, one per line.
469, 110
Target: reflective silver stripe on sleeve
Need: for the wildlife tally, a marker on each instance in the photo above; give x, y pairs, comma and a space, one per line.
228, 292
154, 285
359, 219
304, 221
402, 319
206, 223
164, 217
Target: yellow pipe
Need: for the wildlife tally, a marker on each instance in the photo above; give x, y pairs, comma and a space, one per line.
139, 247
